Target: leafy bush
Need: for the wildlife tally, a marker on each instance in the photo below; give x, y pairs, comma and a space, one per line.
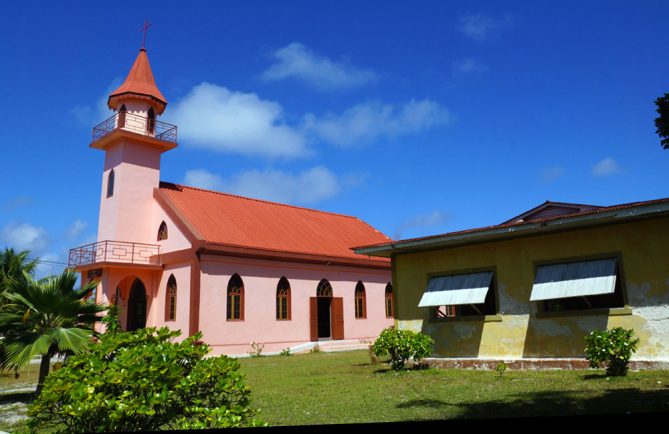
285, 352
611, 348
143, 380
402, 345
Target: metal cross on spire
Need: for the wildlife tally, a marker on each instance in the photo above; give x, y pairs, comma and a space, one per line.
145, 29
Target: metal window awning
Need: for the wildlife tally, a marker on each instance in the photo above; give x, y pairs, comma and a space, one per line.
574, 279
470, 288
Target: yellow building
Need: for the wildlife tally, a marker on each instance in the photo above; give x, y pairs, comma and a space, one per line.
528, 290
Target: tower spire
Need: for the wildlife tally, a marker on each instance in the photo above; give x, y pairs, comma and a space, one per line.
139, 84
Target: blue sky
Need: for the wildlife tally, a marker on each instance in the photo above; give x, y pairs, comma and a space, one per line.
419, 117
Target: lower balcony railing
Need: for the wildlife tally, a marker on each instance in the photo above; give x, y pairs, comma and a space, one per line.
114, 251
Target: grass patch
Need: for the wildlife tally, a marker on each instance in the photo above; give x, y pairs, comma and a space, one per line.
330, 388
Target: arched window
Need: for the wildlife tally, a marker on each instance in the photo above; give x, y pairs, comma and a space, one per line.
162, 231
324, 289
110, 183
235, 309
390, 312
283, 299
151, 121
121, 116
360, 302
171, 299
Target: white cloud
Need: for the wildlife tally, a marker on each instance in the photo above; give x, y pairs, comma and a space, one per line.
467, 66
297, 61
608, 166
307, 186
24, 236
93, 114
373, 120
218, 119
551, 174
479, 27
75, 230
421, 221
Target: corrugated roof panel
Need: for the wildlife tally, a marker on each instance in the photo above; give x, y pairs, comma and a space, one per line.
240, 221
470, 288
574, 279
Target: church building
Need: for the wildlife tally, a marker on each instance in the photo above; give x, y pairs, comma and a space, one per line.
240, 270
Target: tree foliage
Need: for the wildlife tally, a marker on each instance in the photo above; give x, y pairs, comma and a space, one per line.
144, 380
45, 318
14, 266
402, 345
662, 122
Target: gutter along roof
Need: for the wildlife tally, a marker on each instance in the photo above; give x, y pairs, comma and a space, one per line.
595, 216
240, 226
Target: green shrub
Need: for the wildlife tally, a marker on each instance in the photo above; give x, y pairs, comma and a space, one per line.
611, 348
143, 380
285, 352
402, 345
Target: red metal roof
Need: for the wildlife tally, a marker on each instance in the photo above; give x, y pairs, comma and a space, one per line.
139, 82
231, 220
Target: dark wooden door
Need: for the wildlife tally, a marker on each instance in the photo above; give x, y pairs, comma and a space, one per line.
313, 318
337, 318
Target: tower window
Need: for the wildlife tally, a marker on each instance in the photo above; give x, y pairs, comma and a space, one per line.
110, 184
121, 116
162, 232
151, 121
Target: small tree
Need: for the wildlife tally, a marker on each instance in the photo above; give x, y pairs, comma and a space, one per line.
611, 348
402, 345
45, 318
143, 380
662, 122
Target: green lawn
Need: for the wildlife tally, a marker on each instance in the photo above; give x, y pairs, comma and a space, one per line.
330, 388
327, 388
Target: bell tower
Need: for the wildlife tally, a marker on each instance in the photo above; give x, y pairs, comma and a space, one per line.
133, 140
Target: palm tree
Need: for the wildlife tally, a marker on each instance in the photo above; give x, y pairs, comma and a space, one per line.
13, 265
46, 317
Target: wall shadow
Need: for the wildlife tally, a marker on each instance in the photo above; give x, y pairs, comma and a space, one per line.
560, 336
454, 338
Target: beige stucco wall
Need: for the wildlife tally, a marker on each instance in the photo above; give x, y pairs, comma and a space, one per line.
519, 332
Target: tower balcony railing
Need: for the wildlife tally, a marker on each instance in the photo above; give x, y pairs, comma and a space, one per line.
114, 251
136, 124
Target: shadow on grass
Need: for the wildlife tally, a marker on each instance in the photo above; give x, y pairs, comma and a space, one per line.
430, 403
13, 397
595, 376
558, 403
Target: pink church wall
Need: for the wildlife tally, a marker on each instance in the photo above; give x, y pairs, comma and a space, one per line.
137, 171
260, 281
182, 274
176, 240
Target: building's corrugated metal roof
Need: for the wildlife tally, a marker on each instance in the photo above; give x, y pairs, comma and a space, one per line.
593, 212
574, 279
240, 221
470, 288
